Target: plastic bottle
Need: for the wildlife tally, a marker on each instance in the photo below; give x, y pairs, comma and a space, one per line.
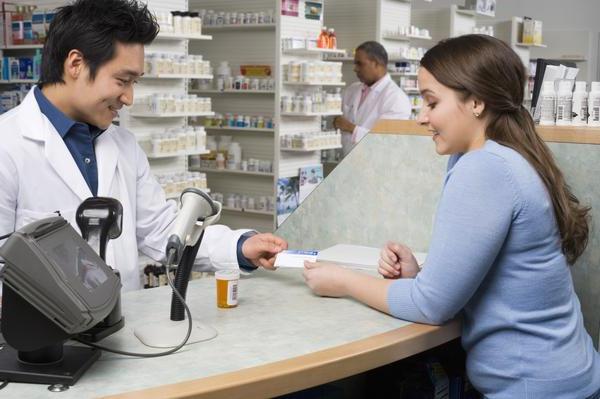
594, 105
332, 39
547, 102
564, 103
580, 104
235, 155
323, 40
37, 65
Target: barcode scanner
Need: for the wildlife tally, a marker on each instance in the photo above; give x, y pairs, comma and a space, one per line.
100, 219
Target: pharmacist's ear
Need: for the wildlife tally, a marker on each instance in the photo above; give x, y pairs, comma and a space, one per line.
74, 65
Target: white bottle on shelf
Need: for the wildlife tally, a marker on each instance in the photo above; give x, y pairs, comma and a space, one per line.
547, 102
594, 105
564, 104
580, 104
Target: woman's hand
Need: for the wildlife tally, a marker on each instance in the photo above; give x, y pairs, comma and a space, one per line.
326, 279
397, 261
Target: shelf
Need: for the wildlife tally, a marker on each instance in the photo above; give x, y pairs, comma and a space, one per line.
176, 76
405, 38
221, 28
177, 154
311, 113
411, 90
307, 51
17, 81
239, 129
174, 36
232, 172
518, 44
570, 59
310, 149
314, 84
251, 211
22, 46
180, 115
176, 196
412, 74
214, 91
474, 13
340, 59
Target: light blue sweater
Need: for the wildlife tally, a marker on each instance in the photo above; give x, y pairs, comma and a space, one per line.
496, 255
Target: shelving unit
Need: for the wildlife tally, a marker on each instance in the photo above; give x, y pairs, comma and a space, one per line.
172, 115
176, 76
145, 124
238, 27
314, 84
178, 37
239, 129
233, 172
310, 114
259, 45
243, 44
176, 154
215, 91
357, 21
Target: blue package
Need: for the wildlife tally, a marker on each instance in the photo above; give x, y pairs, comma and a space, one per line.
25, 68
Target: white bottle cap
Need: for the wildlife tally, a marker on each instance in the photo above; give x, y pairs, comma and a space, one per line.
595, 86
564, 86
580, 86
548, 86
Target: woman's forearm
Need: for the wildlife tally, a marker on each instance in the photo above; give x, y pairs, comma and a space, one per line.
368, 289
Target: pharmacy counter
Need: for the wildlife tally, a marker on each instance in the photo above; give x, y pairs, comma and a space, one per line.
281, 338
551, 134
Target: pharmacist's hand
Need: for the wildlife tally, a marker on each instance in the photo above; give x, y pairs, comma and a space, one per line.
397, 261
261, 249
326, 279
344, 124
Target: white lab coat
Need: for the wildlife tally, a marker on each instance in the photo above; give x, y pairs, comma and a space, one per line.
38, 176
385, 101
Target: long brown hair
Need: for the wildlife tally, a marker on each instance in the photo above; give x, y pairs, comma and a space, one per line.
485, 68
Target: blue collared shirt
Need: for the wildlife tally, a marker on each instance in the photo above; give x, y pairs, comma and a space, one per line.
78, 137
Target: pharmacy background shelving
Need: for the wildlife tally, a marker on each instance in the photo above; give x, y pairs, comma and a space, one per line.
357, 21
259, 45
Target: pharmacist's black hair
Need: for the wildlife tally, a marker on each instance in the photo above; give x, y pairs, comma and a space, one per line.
94, 27
375, 51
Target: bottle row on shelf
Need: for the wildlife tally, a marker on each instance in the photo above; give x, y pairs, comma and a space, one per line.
173, 64
13, 97
227, 154
326, 40
240, 201
158, 104
319, 101
311, 140
180, 22
566, 107
250, 77
409, 53
174, 183
176, 141
408, 68
29, 25
21, 68
231, 120
316, 72
226, 18
408, 31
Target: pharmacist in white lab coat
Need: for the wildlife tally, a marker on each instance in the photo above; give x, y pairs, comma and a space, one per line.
375, 97
59, 147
